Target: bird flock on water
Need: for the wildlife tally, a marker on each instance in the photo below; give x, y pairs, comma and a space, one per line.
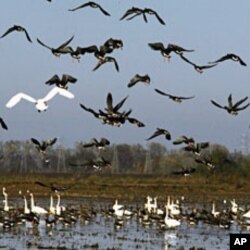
112, 114
168, 214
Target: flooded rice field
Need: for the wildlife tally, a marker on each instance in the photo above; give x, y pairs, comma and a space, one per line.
94, 225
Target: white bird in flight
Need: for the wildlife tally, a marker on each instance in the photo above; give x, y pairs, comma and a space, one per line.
40, 104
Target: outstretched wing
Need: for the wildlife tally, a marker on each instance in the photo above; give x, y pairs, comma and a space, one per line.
65, 93
103, 10
68, 78
181, 139
135, 15
136, 122
53, 80
87, 109
41, 184
158, 17
177, 49
43, 44
186, 97
98, 65
230, 101
206, 66
3, 124
104, 141
80, 6
65, 43
156, 46
134, 80
52, 141
35, 141
17, 98
115, 62
109, 102
27, 36
144, 17
56, 91
131, 11
186, 60
217, 104
237, 104
243, 107
92, 143
155, 134
119, 104
161, 92
11, 29
242, 62
223, 58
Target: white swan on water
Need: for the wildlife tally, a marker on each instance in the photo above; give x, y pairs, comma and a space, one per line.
6, 207
40, 104
155, 208
148, 205
52, 209
169, 222
36, 209
214, 212
117, 206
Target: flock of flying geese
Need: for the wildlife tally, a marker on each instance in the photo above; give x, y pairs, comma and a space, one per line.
112, 113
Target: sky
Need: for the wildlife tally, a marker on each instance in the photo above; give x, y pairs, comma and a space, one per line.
212, 28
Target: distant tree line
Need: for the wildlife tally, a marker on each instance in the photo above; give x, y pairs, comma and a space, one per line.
155, 158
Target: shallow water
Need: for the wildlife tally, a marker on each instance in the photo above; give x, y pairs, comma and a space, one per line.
100, 233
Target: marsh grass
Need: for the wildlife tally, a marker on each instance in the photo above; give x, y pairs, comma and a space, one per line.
129, 187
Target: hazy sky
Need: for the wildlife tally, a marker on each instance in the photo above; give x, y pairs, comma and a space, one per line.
213, 28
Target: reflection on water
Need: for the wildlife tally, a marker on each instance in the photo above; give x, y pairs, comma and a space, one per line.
100, 231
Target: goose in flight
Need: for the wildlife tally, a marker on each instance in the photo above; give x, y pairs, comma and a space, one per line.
105, 60
205, 161
177, 99
98, 144
53, 187
196, 148
230, 56
232, 109
3, 124
158, 46
166, 51
40, 104
153, 12
199, 69
19, 29
184, 171
92, 5
62, 49
61, 83
160, 131
138, 78
134, 11
113, 110
93, 112
184, 139
114, 43
43, 145
99, 164
96, 165
135, 122
99, 53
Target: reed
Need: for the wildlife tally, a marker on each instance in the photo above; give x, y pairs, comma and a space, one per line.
132, 187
